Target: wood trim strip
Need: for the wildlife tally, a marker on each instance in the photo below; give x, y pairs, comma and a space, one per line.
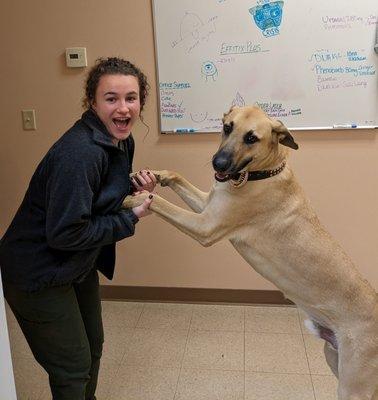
192, 295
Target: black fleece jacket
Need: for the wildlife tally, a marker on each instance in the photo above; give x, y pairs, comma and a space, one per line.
71, 215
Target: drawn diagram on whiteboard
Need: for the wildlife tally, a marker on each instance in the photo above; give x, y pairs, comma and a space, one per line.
199, 116
193, 31
209, 69
268, 17
238, 100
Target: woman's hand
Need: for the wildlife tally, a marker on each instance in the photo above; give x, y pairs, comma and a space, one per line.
143, 209
144, 180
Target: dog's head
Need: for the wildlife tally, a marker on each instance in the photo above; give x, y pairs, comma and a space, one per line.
251, 140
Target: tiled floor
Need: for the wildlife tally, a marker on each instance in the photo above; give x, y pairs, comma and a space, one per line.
157, 351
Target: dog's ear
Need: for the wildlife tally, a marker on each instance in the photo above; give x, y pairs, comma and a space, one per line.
231, 109
283, 135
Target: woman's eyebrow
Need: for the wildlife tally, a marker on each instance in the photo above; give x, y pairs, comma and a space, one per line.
115, 93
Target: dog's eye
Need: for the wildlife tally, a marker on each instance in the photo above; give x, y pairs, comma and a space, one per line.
250, 138
227, 128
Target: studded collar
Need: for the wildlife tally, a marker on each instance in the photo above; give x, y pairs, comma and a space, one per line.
241, 178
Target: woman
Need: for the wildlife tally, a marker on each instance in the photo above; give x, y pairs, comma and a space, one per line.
66, 228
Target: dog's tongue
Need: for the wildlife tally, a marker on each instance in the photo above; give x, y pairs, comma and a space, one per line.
221, 177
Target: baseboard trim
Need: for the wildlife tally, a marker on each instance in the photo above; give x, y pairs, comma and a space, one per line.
192, 295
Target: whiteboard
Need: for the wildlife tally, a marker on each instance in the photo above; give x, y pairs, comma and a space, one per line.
308, 63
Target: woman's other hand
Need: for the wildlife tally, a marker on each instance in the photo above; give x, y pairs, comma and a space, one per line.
143, 209
144, 180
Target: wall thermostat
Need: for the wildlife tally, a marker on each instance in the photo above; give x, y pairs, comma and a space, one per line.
76, 57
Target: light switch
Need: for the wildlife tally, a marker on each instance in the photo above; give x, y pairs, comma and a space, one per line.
76, 57
28, 120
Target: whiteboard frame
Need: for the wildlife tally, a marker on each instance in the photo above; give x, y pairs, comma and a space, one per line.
310, 128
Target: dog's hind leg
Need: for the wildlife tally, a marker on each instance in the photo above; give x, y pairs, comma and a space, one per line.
358, 373
192, 196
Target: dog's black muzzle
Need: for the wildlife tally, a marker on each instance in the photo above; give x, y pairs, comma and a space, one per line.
222, 161
224, 167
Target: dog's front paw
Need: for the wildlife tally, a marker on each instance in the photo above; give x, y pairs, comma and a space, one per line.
134, 201
165, 177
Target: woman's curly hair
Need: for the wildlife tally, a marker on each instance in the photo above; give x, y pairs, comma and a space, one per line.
113, 66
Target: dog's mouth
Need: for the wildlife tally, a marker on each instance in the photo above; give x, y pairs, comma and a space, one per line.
234, 173
222, 177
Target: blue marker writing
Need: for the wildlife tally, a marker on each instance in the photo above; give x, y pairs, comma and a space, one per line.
184, 130
345, 126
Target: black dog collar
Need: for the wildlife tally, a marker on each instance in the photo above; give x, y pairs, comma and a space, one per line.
240, 178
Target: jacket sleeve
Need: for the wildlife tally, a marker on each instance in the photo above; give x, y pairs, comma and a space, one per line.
73, 180
130, 146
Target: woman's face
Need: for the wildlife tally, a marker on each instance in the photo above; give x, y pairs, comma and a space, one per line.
117, 104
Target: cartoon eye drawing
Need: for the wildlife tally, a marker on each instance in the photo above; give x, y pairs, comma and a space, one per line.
209, 69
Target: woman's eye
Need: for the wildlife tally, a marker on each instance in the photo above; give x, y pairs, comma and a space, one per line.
250, 138
110, 99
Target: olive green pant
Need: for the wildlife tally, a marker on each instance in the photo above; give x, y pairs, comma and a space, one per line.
63, 327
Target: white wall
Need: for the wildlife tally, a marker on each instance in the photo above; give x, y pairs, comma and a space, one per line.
7, 387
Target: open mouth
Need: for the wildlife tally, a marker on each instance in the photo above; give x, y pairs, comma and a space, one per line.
121, 123
221, 177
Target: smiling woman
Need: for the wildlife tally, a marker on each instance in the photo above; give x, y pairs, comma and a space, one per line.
117, 104
67, 226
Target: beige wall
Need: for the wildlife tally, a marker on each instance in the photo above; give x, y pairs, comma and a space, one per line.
337, 169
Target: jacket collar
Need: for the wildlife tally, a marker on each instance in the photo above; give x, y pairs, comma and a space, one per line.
100, 133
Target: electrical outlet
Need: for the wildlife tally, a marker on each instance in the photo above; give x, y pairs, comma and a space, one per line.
28, 120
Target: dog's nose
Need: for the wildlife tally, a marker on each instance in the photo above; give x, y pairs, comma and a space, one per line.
221, 162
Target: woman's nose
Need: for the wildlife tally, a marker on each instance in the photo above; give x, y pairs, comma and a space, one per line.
123, 106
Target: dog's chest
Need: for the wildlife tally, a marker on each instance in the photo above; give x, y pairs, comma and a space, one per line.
254, 252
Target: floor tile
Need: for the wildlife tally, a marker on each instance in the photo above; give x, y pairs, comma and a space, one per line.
117, 341
11, 319
217, 317
325, 387
267, 386
272, 320
107, 378
166, 315
30, 378
138, 383
215, 385
146, 344
156, 348
215, 350
276, 352
18, 344
46, 394
315, 355
121, 313
302, 317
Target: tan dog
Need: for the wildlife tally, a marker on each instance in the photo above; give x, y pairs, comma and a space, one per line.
271, 224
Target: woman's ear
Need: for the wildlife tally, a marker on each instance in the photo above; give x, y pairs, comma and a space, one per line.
283, 135
92, 105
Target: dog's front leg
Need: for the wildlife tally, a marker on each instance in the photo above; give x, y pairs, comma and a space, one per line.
204, 227
196, 199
